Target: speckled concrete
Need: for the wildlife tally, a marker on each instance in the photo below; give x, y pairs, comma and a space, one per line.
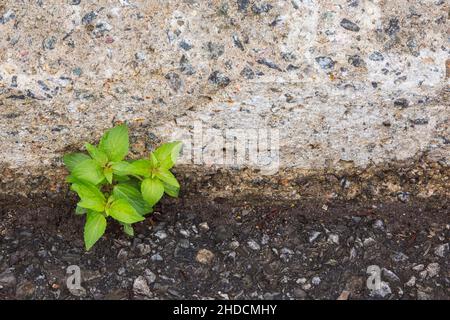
349, 83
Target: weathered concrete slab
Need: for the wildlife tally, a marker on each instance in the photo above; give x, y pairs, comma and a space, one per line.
354, 88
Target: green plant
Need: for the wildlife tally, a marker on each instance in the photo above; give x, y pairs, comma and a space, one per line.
111, 187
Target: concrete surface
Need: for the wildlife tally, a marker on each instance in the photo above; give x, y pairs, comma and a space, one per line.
353, 88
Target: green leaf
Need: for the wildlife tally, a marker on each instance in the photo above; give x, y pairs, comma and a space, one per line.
91, 197
79, 210
108, 172
133, 196
138, 168
123, 211
97, 154
167, 177
128, 229
152, 190
121, 168
89, 171
115, 143
168, 153
94, 228
71, 160
171, 190
153, 160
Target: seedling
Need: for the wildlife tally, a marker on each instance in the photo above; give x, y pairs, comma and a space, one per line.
109, 186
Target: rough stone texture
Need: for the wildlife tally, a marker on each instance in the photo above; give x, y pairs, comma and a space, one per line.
356, 88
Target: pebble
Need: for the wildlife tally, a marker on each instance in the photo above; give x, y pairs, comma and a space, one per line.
376, 56
383, 291
144, 249
333, 238
150, 276
161, 234
441, 250
315, 281
314, 236
433, 269
349, 25
7, 279
234, 245
325, 62
418, 267
156, 257
299, 293
390, 275
49, 43
411, 282
140, 287
204, 256
204, 226
253, 245
219, 79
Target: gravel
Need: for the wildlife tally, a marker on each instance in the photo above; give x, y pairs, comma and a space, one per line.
233, 252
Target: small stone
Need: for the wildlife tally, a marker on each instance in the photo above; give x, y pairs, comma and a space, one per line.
247, 73
315, 281
299, 293
433, 269
383, 291
263, 8
399, 257
378, 224
401, 103
349, 25
423, 296
150, 276
390, 275
88, 18
49, 43
140, 56
306, 286
122, 255
185, 45
325, 62
333, 238
253, 245
74, 2
7, 279
441, 250
175, 81
301, 281
314, 236
268, 63
215, 50
140, 287
184, 243
418, 267
204, 226
156, 257
356, 61
376, 56
144, 249
234, 245
369, 242
185, 233
161, 235
219, 79
392, 27
411, 282
204, 256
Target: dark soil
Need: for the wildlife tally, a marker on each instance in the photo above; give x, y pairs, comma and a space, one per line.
267, 251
